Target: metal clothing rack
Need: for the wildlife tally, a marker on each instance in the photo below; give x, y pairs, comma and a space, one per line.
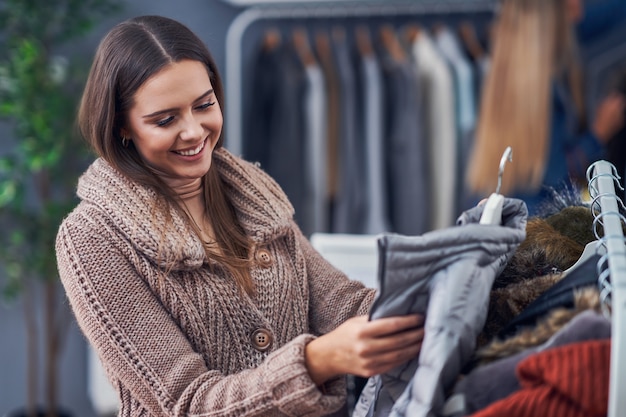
315, 10
603, 179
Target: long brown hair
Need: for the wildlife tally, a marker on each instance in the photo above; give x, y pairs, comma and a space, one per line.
533, 43
130, 54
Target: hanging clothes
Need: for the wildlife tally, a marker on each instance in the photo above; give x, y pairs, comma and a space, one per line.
534, 318
438, 104
446, 275
381, 155
315, 216
466, 106
450, 49
324, 54
560, 294
497, 380
315, 147
371, 102
406, 151
349, 209
567, 381
276, 122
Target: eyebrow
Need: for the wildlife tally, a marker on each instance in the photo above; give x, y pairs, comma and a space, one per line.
156, 113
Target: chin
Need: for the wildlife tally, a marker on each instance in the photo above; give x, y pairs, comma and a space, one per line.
201, 172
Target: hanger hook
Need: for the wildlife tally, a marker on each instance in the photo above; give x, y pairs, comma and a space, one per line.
508, 154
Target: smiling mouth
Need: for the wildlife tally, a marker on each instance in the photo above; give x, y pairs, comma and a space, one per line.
192, 152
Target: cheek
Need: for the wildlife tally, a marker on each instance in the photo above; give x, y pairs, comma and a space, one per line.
215, 122
150, 144
218, 116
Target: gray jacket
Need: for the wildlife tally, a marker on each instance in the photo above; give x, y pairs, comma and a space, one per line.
447, 275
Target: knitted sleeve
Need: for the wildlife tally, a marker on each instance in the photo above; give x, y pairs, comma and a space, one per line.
145, 352
333, 297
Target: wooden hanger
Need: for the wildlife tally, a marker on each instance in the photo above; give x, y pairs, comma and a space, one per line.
467, 30
363, 41
412, 32
338, 34
301, 43
271, 39
438, 27
391, 43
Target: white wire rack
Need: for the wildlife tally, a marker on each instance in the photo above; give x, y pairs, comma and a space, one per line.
608, 208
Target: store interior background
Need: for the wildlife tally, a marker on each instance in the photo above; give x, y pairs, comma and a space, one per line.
210, 19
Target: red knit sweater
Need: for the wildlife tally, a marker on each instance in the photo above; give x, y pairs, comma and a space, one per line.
567, 381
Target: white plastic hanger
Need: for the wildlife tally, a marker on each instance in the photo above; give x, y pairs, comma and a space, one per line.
492, 214
592, 248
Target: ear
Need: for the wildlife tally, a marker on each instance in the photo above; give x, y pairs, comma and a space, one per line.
124, 133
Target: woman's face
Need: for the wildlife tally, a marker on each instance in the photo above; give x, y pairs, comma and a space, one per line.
175, 122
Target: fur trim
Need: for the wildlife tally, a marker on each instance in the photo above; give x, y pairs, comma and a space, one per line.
508, 302
576, 223
584, 299
544, 251
567, 195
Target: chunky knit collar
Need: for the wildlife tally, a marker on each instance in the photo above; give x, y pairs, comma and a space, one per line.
261, 206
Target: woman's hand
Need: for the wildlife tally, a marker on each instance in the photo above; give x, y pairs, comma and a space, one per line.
364, 348
609, 117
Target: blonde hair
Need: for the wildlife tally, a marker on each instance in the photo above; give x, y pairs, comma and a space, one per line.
533, 43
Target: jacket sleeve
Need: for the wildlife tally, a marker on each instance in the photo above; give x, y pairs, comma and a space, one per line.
146, 355
333, 297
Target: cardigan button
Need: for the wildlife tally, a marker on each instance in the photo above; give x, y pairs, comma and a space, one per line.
263, 257
261, 339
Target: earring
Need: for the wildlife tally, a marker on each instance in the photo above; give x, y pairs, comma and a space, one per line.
125, 141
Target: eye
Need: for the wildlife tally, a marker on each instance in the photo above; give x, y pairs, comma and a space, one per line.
205, 105
164, 122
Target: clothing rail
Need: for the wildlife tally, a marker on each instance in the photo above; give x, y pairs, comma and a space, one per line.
326, 10
602, 178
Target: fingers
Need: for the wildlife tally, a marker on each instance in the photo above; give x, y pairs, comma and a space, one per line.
390, 325
385, 361
363, 347
393, 341
372, 347
609, 116
390, 360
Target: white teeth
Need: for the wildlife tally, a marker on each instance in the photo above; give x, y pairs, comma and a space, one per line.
192, 151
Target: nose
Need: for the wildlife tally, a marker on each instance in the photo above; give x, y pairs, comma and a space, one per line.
192, 128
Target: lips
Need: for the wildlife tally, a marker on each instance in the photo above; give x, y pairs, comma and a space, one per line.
192, 152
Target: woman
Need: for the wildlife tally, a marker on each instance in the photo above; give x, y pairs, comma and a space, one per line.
183, 264
532, 101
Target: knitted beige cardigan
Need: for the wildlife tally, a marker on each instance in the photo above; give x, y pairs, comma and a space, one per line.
179, 344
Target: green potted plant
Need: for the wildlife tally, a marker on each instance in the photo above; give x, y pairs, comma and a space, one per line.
39, 93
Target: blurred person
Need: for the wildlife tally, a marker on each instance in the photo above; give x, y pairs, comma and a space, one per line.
533, 101
183, 264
